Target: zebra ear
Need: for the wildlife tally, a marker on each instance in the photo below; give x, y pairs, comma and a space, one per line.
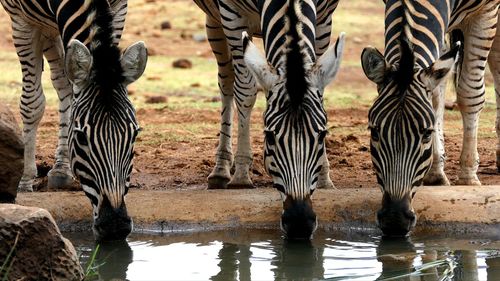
328, 64
257, 64
374, 64
78, 62
438, 71
134, 60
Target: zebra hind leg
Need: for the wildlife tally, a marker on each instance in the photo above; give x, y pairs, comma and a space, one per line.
324, 180
221, 175
32, 106
471, 87
60, 175
494, 63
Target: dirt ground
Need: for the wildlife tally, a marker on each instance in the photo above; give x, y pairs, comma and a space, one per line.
186, 164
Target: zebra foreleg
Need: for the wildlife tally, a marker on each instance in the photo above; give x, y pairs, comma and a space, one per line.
494, 63
29, 50
471, 89
436, 175
246, 94
60, 175
323, 34
221, 175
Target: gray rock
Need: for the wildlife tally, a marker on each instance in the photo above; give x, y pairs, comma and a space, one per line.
11, 155
41, 252
200, 37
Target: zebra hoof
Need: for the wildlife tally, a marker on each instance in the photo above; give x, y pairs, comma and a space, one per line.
240, 183
217, 182
468, 181
436, 179
240, 186
59, 180
25, 186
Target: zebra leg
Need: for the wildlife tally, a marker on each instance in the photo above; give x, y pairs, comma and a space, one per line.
221, 175
323, 34
494, 63
245, 91
60, 175
32, 106
478, 33
436, 175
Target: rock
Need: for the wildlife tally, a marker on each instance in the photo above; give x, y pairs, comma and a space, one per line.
156, 99
182, 63
166, 25
11, 155
200, 37
40, 251
357, 40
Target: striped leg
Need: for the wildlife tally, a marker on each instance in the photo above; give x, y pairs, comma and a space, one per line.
494, 63
221, 174
323, 34
479, 33
436, 175
60, 175
29, 49
245, 92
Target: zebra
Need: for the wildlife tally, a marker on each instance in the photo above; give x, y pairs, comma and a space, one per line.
406, 119
298, 65
97, 120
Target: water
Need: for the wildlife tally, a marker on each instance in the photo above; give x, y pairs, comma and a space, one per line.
265, 255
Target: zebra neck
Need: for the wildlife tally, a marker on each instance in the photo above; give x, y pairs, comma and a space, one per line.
81, 19
277, 26
426, 23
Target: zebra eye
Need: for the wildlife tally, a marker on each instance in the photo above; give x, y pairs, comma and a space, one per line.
322, 136
270, 138
81, 137
136, 133
374, 133
427, 135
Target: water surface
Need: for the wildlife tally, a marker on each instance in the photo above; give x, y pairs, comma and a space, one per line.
265, 255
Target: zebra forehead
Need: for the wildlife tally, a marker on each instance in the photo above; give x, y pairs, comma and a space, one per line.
396, 110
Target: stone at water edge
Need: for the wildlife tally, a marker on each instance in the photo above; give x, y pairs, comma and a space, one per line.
41, 252
11, 155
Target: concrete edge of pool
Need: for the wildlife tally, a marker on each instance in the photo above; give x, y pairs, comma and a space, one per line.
452, 209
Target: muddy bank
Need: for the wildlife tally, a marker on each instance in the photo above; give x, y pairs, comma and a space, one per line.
456, 209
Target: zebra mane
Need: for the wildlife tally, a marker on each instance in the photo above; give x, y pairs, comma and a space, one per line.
404, 74
108, 71
296, 83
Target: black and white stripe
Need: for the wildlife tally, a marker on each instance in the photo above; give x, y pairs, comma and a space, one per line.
97, 121
406, 120
296, 68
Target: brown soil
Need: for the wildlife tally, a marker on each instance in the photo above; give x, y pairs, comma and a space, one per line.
186, 164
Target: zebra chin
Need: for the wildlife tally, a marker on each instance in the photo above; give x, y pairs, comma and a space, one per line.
298, 221
396, 218
112, 223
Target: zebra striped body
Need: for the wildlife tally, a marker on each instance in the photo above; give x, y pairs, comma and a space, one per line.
92, 73
294, 34
406, 120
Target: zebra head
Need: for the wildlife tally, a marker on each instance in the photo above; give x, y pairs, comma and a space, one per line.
401, 122
103, 129
295, 123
